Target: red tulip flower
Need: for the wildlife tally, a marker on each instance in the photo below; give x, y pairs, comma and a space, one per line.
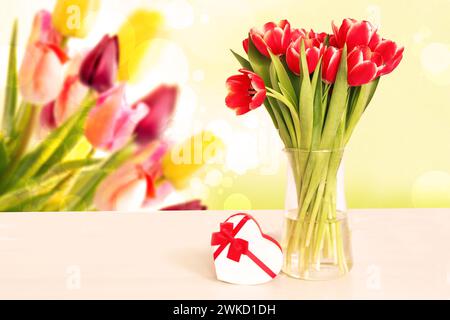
161, 105
354, 33
246, 92
276, 37
314, 49
99, 69
362, 66
390, 56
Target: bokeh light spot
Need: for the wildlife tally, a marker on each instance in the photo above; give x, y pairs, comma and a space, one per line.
214, 178
431, 190
435, 59
237, 201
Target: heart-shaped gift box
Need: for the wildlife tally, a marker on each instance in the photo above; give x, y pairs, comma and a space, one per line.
243, 254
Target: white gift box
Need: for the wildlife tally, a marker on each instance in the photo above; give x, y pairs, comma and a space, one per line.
243, 254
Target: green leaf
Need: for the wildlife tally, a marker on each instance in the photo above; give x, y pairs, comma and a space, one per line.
365, 95
70, 142
284, 78
74, 165
260, 65
85, 187
319, 113
47, 152
289, 114
306, 103
284, 110
338, 104
373, 88
242, 61
34, 189
4, 156
10, 105
279, 122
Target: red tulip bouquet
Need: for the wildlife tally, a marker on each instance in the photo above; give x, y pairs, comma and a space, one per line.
315, 87
76, 102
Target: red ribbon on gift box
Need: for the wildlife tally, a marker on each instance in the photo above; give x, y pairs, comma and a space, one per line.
238, 247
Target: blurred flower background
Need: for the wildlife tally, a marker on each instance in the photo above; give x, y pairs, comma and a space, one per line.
407, 131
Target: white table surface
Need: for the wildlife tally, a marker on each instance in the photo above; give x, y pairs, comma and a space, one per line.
397, 254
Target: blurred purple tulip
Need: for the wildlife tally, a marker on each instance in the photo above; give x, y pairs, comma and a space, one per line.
161, 104
99, 69
195, 205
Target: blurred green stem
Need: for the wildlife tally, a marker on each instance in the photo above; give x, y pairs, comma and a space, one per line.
26, 125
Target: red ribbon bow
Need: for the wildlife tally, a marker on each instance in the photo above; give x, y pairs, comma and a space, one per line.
238, 247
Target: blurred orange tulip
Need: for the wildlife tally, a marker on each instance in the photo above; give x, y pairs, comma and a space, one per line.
112, 122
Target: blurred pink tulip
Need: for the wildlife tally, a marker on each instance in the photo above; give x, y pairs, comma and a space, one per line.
125, 190
161, 105
43, 30
41, 73
70, 99
112, 122
99, 68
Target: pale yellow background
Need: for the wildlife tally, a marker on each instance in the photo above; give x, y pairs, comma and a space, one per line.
398, 157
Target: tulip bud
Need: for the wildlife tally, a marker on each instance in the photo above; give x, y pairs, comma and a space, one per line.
184, 160
99, 68
330, 66
111, 122
75, 18
135, 37
161, 105
41, 73
125, 190
43, 30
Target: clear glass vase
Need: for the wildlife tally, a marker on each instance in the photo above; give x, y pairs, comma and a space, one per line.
316, 239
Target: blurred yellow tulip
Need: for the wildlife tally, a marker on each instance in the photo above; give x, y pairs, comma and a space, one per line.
75, 18
135, 38
184, 160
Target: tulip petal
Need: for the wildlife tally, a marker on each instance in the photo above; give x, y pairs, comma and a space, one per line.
234, 101
70, 99
126, 125
101, 122
362, 74
386, 49
359, 34
393, 64
332, 58
259, 43
293, 60
273, 39
312, 56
